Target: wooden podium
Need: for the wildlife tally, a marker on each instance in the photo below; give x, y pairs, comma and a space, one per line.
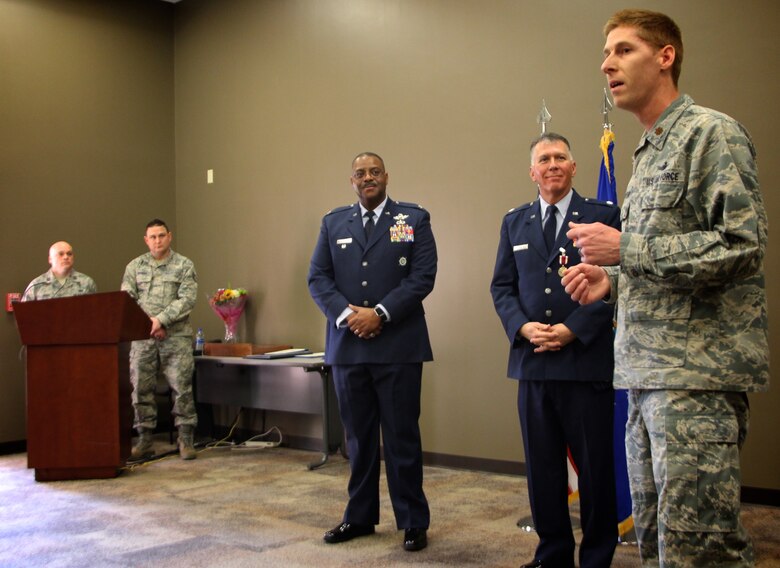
79, 411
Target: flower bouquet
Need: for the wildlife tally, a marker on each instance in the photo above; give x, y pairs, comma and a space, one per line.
228, 304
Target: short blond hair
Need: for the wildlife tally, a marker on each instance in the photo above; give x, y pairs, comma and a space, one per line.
655, 28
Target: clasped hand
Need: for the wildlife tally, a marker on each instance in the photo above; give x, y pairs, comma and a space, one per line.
364, 322
546, 337
158, 331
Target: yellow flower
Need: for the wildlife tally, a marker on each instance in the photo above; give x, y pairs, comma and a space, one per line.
223, 295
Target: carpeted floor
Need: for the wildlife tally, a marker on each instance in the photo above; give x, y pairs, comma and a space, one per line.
262, 507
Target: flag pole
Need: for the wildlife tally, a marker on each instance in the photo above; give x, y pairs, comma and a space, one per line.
526, 524
606, 106
544, 117
607, 188
607, 191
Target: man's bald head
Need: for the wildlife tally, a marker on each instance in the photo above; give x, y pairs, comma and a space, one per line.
61, 259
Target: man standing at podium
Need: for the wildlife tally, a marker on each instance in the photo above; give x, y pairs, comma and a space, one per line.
165, 285
373, 265
60, 280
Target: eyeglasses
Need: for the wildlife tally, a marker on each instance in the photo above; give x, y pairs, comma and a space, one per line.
373, 172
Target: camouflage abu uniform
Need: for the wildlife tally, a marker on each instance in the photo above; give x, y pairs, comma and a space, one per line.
692, 332
47, 286
166, 290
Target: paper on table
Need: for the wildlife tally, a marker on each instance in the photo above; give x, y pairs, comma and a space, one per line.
279, 354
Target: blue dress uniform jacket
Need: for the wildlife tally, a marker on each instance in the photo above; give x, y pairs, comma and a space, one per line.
378, 380
396, 268
565, 397
526, 287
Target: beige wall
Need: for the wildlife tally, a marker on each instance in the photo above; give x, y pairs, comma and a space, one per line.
86, 147
277, 97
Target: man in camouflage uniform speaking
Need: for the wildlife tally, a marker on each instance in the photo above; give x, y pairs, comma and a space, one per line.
687, 274
60, 280
165, 285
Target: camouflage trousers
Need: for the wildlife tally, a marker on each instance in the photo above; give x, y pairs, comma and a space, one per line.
683, 466
173, 358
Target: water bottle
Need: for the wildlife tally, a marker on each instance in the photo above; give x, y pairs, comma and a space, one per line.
200, 342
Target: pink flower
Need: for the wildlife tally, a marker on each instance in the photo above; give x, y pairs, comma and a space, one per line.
229, 304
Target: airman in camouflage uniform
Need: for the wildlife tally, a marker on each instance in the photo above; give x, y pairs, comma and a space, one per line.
692, 330
691, 302
164, 284
60, 280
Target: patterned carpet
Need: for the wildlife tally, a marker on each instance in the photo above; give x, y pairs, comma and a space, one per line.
262, 507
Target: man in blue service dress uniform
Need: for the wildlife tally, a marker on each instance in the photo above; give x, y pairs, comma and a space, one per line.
374, 263
561, 353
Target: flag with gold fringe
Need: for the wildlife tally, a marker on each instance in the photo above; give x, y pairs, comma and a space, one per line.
625, 520
607, 191
573, 473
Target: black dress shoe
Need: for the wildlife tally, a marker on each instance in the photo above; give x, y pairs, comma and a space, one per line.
347, 531
533, 564
415, 539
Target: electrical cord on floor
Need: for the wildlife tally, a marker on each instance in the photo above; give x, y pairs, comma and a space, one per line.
133, 465
254, 444
223, 443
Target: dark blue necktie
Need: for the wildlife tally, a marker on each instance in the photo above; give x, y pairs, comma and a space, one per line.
369, 226
549, 228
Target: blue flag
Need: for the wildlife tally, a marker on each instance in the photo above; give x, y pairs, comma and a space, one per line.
625, 519
607, 191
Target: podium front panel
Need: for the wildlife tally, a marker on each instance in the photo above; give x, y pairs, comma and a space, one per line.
79, 411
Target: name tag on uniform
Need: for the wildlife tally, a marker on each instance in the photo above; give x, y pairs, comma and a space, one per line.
344, 242
520, 247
